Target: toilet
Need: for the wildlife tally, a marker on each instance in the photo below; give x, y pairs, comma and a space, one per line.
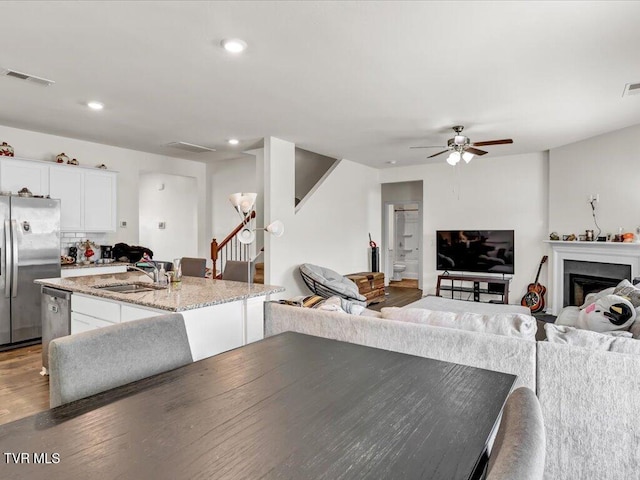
398, 268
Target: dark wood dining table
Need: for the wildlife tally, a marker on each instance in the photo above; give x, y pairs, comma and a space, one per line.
291, 406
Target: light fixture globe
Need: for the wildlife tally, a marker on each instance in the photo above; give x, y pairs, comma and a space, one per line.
234, 198
247, 201
453, 158
246, 236
467, 156
234, 45
275, 228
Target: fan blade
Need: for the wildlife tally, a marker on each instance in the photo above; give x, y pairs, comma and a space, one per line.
475, 151
432, 146
492, 142
436, 154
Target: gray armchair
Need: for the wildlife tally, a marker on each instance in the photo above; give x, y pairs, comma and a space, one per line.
519, 449
91, 362
327, 283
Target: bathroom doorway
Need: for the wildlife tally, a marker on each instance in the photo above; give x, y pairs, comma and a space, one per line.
403, 244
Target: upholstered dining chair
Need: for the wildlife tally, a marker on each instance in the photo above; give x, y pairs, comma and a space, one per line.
238, 271
193, 267
519, 449
91, 362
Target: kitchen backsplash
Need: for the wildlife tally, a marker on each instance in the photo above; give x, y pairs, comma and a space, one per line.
71, 239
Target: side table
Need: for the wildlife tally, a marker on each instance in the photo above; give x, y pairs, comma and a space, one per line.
370, 284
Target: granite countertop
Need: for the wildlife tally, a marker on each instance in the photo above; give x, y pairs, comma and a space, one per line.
189, 294
93, 265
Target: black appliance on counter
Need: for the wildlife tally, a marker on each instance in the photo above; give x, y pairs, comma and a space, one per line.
106, 251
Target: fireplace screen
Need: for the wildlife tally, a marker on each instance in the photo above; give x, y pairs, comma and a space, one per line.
582, 278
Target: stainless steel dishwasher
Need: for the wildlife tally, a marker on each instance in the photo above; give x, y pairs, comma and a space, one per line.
56, 319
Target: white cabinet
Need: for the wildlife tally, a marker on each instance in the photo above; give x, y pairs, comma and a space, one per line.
99, 201
66, 183
16, 174
87, 198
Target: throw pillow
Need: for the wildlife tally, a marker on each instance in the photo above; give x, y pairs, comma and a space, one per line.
507, 324
618, 342
626, 289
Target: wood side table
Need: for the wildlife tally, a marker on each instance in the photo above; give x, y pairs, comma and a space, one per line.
370, 284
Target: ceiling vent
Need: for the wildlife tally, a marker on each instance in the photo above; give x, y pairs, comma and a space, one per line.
27, 77
631, 89
190, 147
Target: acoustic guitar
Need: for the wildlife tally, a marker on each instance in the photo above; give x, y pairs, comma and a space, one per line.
534, 298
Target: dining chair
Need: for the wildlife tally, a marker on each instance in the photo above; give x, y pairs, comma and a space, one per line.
91, 362
193, 267
519, 449
238, 271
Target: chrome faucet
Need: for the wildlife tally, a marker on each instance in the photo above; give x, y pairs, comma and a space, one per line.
152, 275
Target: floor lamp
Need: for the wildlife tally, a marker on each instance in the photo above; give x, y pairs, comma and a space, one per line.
244, 203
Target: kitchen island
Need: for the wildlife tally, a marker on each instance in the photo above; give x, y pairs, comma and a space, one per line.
219, 315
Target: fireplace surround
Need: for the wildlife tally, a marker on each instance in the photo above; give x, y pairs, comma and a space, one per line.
611, 262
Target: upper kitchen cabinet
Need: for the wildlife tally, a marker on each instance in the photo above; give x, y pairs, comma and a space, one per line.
87, 195
87, 198
16, 174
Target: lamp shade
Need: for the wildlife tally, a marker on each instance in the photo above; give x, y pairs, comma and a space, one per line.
453, 158
247, 200
275, 228
467, 156
246, 236
234, 198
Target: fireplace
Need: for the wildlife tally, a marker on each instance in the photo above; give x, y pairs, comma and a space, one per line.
582, 278
594, 266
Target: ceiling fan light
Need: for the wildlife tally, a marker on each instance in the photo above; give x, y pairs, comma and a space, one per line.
467, 156
459, 139
453, 159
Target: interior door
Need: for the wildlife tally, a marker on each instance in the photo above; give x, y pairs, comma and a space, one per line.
35, 224
5, 296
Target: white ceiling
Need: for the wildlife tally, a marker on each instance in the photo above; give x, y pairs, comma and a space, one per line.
356, 80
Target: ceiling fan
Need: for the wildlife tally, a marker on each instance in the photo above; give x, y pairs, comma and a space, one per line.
461, 147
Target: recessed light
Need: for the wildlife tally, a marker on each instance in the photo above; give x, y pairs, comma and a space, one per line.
392, 162
233, 141
234, 45
95, 105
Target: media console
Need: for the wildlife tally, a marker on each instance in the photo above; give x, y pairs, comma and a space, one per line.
482, 285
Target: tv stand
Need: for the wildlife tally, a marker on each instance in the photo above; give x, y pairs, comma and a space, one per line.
482, 285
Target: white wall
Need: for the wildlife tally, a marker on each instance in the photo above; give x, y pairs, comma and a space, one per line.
227, 177
332, 227
605, 165
507, 193
129, 163
172, 199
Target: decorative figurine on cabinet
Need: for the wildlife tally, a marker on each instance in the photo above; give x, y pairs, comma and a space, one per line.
6, 150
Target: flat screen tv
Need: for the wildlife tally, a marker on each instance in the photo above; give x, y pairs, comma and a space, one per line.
483, 251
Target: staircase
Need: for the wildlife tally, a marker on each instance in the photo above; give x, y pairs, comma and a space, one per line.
231, 249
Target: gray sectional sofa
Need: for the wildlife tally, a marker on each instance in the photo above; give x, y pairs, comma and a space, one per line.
590, 399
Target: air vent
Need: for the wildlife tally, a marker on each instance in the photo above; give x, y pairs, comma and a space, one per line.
631, 89
27, 77
190, 147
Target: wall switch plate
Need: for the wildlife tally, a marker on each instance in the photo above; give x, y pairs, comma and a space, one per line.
162, 225
123, 224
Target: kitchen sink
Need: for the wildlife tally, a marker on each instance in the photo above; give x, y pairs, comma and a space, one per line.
130, 288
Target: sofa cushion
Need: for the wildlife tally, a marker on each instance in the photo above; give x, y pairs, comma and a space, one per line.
619, 342
509, 325
442, 304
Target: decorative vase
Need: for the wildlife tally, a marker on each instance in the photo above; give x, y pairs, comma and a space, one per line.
62, 158
6, 150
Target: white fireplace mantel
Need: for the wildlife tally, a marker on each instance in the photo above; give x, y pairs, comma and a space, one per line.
606, 252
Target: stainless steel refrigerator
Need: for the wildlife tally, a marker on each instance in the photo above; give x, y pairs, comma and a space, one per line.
29, 249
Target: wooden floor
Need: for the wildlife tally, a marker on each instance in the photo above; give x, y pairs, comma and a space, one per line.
23, 391
397, 297
405, 282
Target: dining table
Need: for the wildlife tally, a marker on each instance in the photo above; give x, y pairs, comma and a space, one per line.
291, 406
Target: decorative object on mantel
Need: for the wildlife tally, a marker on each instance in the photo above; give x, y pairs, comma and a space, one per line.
25, 192
6, 150
554, 236
102, 166
569, 238
62, 158
73, 162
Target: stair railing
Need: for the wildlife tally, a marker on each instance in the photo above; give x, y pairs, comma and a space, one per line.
230, 248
